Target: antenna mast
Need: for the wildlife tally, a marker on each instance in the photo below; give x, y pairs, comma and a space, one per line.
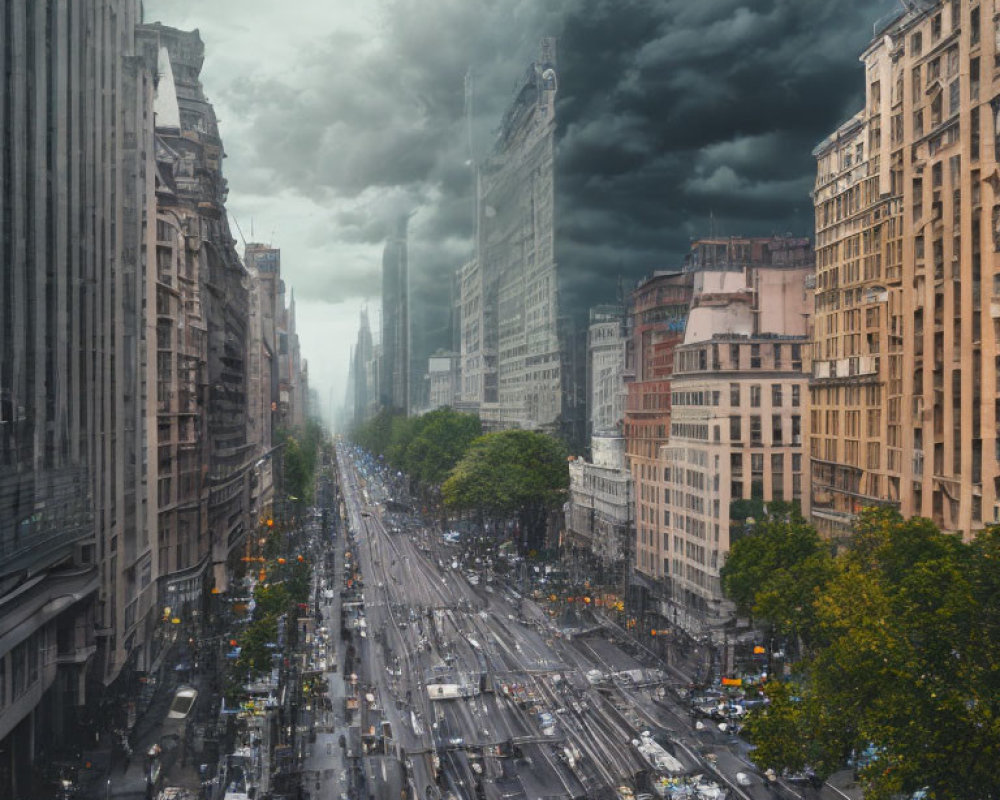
238, 228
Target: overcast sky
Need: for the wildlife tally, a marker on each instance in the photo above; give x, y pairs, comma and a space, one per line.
674, 117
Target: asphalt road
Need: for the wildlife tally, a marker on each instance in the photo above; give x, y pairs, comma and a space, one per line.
518, 714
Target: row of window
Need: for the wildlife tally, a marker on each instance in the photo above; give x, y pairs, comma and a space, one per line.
740, 356
755, 390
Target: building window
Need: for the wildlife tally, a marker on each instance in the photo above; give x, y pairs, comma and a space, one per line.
734, 395
735, 432
796, 392
796, 429
776, 395
776, 429
755, 356
755, 435
755, 395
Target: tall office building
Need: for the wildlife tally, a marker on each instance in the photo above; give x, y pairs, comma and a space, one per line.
905, 353
394, 385
76, 564
263, 262
365, 375
513, 370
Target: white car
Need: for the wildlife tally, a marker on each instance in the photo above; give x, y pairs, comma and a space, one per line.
182, 703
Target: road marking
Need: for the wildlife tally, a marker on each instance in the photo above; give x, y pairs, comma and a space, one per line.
838, 791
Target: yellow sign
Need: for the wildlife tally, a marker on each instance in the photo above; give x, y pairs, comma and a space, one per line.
732, 681
758, 650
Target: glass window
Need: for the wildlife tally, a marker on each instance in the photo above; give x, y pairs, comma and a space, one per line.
776, 395
755, 395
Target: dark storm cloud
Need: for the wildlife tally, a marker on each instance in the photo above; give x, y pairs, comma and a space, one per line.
675, 118
680, 118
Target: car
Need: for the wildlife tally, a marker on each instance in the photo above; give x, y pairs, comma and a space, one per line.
743, 779
183, 702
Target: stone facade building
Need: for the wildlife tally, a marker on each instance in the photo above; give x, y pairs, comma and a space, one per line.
443, 379
737, 425
130, 449
606, 346
906, 342
601, 507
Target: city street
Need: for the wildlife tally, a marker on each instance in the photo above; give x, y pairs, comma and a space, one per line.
481, 696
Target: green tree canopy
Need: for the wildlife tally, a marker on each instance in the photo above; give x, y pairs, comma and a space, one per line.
511, 472
375, 434
443, 436
299, 457
427, 447
906, 660
255, 655
774, 571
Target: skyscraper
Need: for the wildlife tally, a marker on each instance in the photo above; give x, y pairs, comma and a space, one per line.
395, 378
76, 563
511, 350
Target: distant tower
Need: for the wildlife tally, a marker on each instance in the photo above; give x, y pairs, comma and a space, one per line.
394, 388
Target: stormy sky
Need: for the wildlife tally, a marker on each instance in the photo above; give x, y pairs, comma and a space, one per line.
675, 118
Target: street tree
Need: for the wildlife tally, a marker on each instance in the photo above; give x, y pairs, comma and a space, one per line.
511, 473
257, 643
775, 570
441, 439
904, 661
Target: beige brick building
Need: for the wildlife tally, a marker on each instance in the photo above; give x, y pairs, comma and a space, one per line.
904, 374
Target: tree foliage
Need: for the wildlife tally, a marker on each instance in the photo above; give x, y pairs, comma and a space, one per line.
511, 473
443, 437
375, 434
907, 631
299, 456
255, 655
427, 447
774, 572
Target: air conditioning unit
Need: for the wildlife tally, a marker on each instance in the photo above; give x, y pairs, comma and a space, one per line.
797, 439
